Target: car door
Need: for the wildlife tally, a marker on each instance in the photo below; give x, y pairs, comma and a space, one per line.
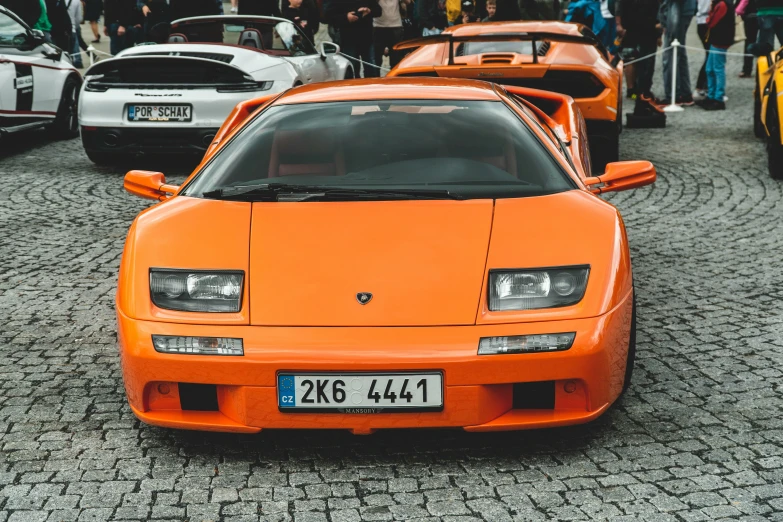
303, 55
31, 74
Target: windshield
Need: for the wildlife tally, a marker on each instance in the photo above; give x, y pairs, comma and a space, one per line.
472, 149
12, 33
272, 36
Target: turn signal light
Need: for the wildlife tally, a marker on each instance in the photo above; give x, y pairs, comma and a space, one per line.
198, 345
526, 343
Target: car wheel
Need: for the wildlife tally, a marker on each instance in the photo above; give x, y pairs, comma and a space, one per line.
758, 126
631, 359
348, 74
774, 146
66, 123
605, 149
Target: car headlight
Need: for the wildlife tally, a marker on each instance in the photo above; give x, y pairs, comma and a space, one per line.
526, 343
536, 288
196, 291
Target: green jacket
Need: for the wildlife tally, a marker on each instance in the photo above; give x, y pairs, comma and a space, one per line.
43, 22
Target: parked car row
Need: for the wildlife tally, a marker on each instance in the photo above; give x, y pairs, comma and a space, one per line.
365, 254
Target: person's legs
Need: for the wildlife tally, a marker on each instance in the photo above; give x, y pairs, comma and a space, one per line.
95, 33
701, 81
367, 55
711, 78
396, 35
683, 71
76, 51
645, 70
380, 37
766, 30
349, 48
672, 21
719, 72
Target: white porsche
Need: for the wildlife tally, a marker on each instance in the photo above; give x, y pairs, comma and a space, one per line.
173, 97
39, 87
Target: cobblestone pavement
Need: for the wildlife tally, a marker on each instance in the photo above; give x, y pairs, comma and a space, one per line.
698, 437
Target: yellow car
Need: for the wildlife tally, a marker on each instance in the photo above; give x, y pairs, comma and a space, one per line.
768, 105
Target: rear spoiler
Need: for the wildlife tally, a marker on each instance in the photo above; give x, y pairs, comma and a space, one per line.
586, 37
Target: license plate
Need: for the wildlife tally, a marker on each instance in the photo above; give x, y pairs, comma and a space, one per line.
176, 113
359, 392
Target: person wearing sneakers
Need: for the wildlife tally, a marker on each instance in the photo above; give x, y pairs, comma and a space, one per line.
721, 37
676, 16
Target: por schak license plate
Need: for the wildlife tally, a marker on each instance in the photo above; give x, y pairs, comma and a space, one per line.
162, 113
359, 392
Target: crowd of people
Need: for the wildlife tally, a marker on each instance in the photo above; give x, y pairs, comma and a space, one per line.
367, 30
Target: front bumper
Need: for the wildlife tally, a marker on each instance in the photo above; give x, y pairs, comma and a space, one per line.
481, 393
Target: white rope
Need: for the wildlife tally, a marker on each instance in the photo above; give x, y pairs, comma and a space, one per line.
727, 53
382, 68
656, 53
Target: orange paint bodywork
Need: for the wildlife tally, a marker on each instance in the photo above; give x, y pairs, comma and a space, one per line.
561, 56
427, 263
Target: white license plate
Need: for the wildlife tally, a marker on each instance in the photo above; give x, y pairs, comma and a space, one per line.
359, 392
176, 113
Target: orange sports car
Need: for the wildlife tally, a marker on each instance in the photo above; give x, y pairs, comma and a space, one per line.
354, 255
553, 56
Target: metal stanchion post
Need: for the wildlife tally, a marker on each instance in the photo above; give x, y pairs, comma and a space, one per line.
673, 107
90, 55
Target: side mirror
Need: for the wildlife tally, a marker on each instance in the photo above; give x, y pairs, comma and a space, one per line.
327, 48
29, 41
150, 185
622, 175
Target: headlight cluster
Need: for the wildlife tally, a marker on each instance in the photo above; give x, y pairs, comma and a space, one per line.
526, 343
196, 291
536, 288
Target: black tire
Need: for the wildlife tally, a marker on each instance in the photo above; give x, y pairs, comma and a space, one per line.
631, 359
349, 74
758, 126
66, 123
604, 149
774, 146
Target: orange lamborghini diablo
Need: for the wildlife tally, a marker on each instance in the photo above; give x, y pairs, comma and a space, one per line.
568, 59
354, 255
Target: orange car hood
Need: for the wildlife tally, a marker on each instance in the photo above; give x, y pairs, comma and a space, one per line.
425, 262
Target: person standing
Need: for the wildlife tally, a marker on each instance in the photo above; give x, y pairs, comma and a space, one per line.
62, 29
354, 19
93, 9
303, 13
721, 25
769, 14
747, 10
637, 25
388, 31
432, 16
507, 11
121, 23
676, 17
74, 8
43, 23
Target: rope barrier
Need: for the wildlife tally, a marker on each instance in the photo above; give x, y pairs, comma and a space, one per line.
380, 67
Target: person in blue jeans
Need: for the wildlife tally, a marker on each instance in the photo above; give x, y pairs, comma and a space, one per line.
676, 16
122, 20
770, 21
721, 37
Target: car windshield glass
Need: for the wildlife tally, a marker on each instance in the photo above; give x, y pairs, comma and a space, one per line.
12, 34
464, 149
471, 48
271, 36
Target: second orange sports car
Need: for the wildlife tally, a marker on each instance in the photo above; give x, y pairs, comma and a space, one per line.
555, 56
355, 255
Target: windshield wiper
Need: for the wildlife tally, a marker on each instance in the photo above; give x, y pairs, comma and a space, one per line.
286, 192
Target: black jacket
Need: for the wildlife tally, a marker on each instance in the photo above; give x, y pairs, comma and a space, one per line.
766, 4
638, 18
308, 11
336, 15
28, 11
260, 7
431, 13
58, 16
722, 34
123, 12
188, 8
